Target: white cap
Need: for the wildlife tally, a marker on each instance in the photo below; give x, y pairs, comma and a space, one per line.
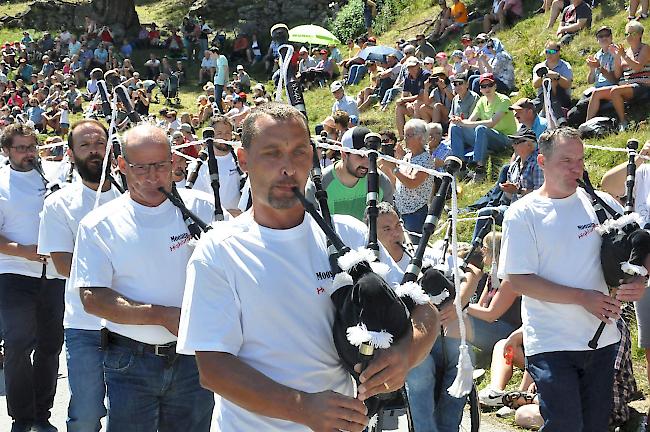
240, 67
303, 49
336, 86
411, 61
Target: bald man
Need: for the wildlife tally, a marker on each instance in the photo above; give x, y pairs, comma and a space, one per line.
129, 268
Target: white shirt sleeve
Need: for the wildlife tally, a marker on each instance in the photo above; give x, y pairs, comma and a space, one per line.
91, 263
54, 233
210, 316
519, 246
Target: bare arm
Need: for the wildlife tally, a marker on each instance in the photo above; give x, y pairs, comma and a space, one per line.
412, 180
502, 300
109, 304
225, 374
13, 248
62, 262
613, 181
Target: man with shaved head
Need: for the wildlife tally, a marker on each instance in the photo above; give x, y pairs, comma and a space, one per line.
129, 268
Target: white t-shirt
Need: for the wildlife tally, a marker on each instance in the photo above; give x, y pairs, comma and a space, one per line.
642, 192
555, 239
60, 219
140, 252
228, 181
21, 201
262, 295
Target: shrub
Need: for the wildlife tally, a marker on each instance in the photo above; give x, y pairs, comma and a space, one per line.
388, 11
348, 23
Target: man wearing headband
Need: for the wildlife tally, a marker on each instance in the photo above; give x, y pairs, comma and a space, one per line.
31, 291
346, 181
258, 291
551, 255
129, 269
58, 229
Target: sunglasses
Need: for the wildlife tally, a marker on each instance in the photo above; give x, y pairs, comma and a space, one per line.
603, 35
629, 33
458, 82
551, 51
484, 86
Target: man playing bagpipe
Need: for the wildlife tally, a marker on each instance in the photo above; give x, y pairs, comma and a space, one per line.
551, 253
257, 307
129, 267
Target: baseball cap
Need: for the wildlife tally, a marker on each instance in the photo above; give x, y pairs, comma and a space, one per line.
177, 134
429, 60
523, 133
466, 37
240, 67
486, 77
457, 53
336, 86
604, 29
523, 103
441, 54
412, 61
481, 36
258, 86
354, 138
438, 71
323, 51
459, 77
303, 49
372, 39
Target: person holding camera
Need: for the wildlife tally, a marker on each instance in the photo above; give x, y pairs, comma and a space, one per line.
437, 102
498, 62
560, 75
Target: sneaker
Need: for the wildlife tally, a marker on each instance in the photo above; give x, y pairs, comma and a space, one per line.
622, 126
490, 397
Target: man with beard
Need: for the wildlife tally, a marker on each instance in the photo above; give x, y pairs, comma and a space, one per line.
31, 295
229, 172
345, 181
255, 310
60, 219
129, 268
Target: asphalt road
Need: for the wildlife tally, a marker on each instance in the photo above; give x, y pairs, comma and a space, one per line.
62, 395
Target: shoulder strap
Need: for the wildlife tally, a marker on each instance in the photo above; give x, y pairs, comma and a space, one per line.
600, 206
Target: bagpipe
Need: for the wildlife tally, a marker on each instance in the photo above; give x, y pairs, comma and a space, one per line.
213, 169
50, 188
625, 245
194, 224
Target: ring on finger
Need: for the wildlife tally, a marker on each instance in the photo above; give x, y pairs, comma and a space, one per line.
386, 386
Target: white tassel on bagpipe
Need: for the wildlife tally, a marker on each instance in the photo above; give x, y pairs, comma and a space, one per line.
284, 72
340, 280
548, 108
360, 334
614, 224
381, 269
463, 383
437, 299
633, 269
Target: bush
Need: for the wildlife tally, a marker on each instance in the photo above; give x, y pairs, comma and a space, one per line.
388, 11
348, 23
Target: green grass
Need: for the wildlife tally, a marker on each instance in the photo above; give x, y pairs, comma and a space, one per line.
11, 8
162, 11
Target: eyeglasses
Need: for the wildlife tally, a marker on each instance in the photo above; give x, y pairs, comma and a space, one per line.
457, 83
551, 51
604, 35
484, 86
629, 33
25, 149
143, 169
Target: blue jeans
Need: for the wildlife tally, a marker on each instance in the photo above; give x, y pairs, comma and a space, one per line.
429, 415
145, 394
85, 379
390, 95
480, 139
218, 95
575, 388
414, 221
356, 73
487, 211
486, 334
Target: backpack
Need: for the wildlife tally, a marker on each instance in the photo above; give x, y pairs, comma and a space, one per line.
597, 127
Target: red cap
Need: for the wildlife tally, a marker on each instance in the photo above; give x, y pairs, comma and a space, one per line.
323, 51
486, 77
372, 39
242, 96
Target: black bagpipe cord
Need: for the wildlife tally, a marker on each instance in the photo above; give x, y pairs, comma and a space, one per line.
195, 225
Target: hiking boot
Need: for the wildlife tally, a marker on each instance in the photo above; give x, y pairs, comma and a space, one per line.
490, 397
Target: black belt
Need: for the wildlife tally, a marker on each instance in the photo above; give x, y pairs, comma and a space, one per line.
167, 350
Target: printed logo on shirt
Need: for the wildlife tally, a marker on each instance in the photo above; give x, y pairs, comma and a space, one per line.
586, 229
324, 275
178, 241
320, 290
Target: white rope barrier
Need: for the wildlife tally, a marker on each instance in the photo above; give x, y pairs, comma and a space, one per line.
614, 149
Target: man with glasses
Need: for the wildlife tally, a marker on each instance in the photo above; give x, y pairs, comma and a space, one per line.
423, 49
464, 101
60, 219
346, 181
31, 291
129, 269
560, 73
486, 129
413, 93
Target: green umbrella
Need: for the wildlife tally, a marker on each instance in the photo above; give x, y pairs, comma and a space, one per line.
312, 34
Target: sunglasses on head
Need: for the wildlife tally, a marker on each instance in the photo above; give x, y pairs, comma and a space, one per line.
484, 86
552, 51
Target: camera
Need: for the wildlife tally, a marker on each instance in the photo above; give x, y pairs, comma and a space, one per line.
542, 71
388, 149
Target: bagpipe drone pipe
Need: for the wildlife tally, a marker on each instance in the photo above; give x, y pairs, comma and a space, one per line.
625, 245
194, 224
